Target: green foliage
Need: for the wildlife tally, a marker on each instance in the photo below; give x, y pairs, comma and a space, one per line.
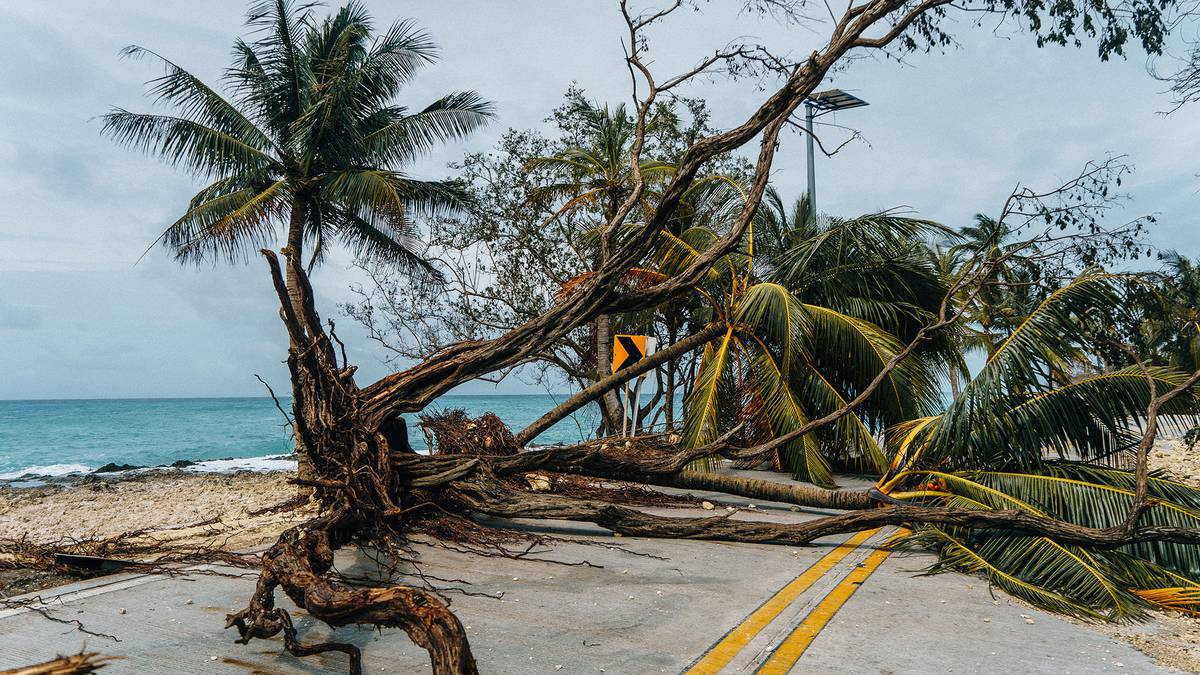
1004, 442
814, 332
1069, 579
306, 137
1021, 404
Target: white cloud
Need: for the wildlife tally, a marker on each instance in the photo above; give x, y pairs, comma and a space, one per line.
949, 135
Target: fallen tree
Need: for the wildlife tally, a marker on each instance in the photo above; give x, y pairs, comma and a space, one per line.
371, 489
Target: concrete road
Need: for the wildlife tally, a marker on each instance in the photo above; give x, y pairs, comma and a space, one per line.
637, 606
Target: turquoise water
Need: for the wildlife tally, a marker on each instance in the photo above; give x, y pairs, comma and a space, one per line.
60, 437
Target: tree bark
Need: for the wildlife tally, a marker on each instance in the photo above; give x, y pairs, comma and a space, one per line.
295, 244
490, 497
360, 499
599, 460
609, 401
297, 564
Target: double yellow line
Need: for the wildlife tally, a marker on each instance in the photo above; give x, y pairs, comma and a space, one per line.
790, 650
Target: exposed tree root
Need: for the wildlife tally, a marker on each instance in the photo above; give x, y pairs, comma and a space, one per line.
41, 607
77, 664
298, 564
455, 434
136, 550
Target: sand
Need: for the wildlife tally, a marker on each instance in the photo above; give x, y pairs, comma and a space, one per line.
168, 501
172, 502
1170, 638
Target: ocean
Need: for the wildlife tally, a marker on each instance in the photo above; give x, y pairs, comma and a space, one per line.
55, 438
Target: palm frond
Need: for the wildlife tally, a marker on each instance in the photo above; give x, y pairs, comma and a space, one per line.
785, 413
1031, 569
405, 138
701, 421
199, 149
230, 221
196, 101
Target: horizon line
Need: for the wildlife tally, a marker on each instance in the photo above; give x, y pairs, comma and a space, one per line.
216, 398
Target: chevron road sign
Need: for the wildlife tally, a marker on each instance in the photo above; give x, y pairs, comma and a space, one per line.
629, 349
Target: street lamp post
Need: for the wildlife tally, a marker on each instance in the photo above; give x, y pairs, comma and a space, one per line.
816, 105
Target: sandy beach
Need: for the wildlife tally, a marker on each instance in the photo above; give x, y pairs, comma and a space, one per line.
241, 511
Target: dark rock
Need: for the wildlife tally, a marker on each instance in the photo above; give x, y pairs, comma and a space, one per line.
113, 468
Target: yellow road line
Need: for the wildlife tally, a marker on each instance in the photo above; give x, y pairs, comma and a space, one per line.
792, 648
728, 647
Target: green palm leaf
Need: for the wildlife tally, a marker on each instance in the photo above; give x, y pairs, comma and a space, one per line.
784, 414
701, 424
1005, 561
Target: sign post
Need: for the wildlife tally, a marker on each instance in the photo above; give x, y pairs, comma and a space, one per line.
628, 350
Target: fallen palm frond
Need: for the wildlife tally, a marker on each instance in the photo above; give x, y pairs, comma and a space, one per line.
1110, 584
1019, 438
1184, 599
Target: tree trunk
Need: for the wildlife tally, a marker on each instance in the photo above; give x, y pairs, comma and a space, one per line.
598, 461
609, 402
295, 244
609, 384
672, 366
360, 499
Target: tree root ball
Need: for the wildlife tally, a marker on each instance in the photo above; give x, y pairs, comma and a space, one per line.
456, 434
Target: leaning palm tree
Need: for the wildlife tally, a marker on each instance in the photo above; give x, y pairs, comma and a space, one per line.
306, 139
1018, 438
796, 346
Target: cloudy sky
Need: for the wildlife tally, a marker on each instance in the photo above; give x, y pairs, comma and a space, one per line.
947, 135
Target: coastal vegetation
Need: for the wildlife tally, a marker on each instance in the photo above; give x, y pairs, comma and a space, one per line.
807, 342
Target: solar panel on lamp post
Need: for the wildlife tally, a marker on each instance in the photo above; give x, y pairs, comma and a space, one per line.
815, 105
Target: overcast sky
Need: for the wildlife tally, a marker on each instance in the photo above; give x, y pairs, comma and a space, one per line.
948, 135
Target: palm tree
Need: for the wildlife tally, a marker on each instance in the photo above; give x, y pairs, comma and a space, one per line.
1017, 438
790, 353
1172, 325
596, 177
778, 227
1001, 298
949, 265
306, 139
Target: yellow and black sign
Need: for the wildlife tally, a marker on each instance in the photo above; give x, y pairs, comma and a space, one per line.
628, 350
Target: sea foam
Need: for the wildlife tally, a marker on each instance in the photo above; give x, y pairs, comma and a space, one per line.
47, 471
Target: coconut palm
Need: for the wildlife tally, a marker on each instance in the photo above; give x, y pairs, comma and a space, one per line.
1172, 324
877, 268
1017, 438
790, 354
1000, 299
305, 138
595, 177
949, 265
